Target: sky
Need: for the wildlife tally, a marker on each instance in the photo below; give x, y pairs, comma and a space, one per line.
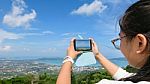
44, 28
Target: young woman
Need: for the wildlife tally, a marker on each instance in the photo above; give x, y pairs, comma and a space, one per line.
134, 40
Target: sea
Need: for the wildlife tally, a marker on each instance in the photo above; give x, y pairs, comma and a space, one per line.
122, 62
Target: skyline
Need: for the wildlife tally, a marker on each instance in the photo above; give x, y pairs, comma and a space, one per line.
33, 29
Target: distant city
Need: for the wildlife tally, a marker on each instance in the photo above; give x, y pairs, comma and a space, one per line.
13, 68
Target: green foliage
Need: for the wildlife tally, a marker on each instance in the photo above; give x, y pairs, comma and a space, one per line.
91, 78
131, 69
17, 80
77, 78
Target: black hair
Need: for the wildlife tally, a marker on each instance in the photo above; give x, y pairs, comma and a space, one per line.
136, 20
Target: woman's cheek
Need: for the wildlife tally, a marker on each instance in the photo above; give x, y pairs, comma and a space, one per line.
124, 50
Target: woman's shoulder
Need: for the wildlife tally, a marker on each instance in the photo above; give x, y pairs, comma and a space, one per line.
105, 81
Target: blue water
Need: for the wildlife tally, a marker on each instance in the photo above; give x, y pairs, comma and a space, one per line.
58, 61
120, 62
52, 61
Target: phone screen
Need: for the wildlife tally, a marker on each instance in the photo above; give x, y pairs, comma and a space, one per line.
82, 45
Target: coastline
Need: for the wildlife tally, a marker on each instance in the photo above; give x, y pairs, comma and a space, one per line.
13, 68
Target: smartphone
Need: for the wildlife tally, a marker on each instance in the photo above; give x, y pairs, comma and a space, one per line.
83, 45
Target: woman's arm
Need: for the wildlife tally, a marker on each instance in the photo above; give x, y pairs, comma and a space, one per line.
64, 76
116, 72
108, 65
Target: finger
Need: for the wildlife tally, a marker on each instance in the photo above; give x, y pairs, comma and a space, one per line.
91, 38
79, 52
73, 39
71, 42
93, 42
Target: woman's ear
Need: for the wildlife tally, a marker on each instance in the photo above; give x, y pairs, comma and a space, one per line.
141, 43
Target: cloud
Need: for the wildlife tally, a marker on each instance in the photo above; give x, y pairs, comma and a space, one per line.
52, 49
113, 1
18, 17
26, 49
32, 29
5, 48
66, 34
48, 32
73, 34
30, 34
49, 50
37, 34
8, 35
69, 35
95, 7
1, 10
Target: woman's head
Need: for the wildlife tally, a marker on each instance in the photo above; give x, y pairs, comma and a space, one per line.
135, 25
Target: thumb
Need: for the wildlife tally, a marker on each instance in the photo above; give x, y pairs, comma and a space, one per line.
79, 52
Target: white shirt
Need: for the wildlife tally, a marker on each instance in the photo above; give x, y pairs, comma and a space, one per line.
121, 74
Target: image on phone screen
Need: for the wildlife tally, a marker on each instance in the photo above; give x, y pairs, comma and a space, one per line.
83, 45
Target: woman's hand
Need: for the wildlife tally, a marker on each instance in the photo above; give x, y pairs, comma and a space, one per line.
71, 52
95, 49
